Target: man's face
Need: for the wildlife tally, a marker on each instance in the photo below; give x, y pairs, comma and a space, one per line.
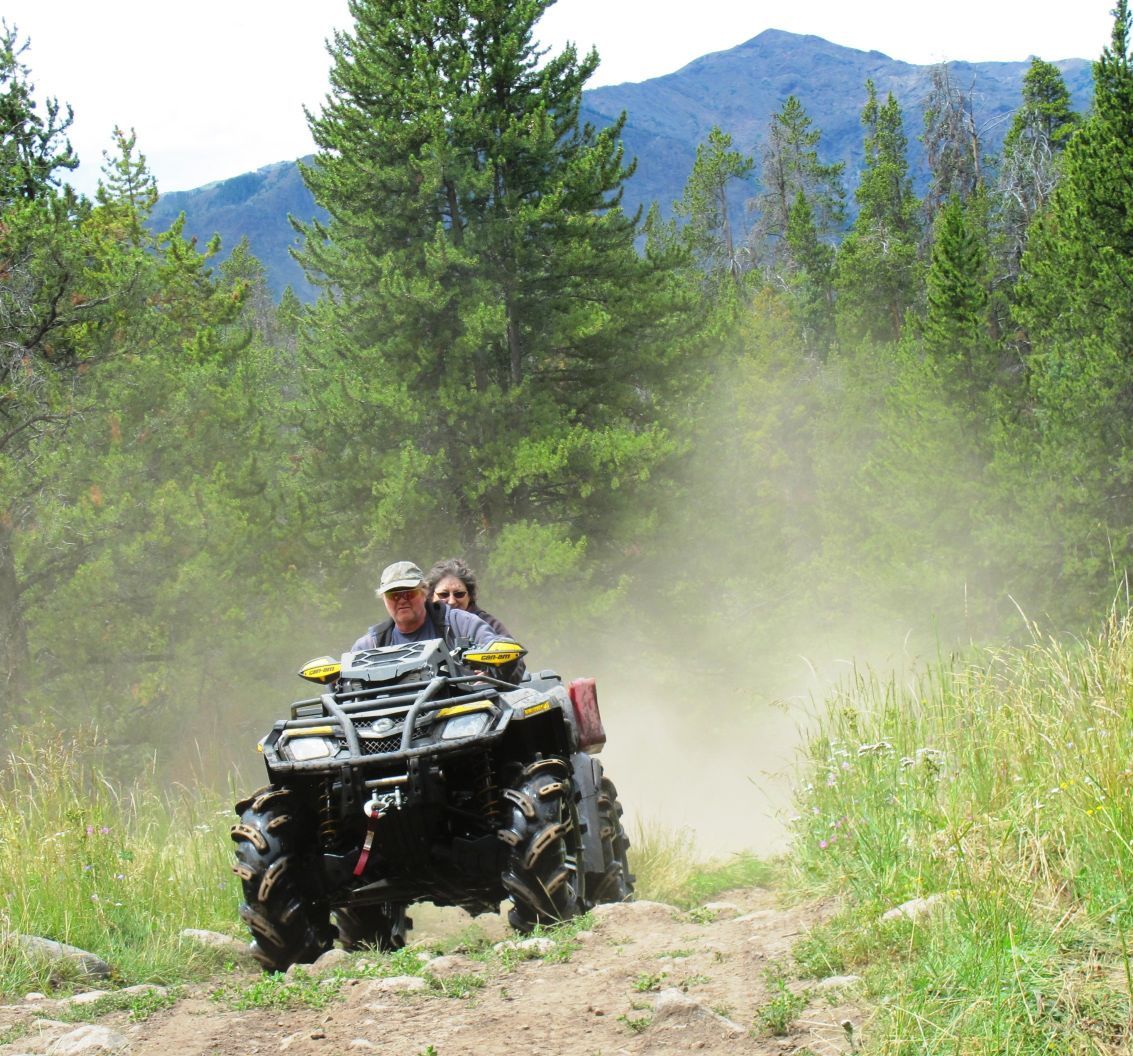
406, 608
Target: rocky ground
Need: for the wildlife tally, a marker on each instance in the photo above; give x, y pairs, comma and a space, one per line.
644, 978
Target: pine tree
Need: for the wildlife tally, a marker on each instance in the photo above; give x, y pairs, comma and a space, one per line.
791, 168
1076, 311
811, 284
955, 329
1039, 132
707, 205
876, 269
485, 349
33, 151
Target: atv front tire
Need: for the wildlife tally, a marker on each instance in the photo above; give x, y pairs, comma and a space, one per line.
615, 884
542, 875
289, 924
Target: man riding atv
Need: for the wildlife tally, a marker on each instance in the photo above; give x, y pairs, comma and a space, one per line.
414, 618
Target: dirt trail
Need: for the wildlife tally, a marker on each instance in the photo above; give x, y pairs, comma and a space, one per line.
647, 979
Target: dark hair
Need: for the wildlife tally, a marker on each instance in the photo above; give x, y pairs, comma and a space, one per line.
452, 566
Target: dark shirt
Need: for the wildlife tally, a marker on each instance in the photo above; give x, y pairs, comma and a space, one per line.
458, 623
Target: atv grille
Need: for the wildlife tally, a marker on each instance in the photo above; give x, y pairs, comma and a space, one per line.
380, 746
392, 742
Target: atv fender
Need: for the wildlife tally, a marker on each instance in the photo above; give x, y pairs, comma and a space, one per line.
587, 774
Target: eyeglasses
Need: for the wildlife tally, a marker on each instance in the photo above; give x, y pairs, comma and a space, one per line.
458, 594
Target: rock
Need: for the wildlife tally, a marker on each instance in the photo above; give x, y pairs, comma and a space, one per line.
837, 982
452, 964
363, 1044
326, 963
673, 1007
87, 1040
395, 984
759, 914
612, 914
238, 949
34, 997
915, 907
89, 997
88, 963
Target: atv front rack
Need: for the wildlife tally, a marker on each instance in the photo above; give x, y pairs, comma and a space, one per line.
413, 706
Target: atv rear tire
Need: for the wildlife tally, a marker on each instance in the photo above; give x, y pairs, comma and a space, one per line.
289, 924
544, 838
383, 927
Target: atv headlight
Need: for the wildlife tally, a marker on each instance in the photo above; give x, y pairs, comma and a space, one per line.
467, 725
302, 748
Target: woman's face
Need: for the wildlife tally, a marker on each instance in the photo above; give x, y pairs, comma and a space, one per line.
452, 591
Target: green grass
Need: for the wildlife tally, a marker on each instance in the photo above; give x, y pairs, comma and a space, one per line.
277, 991
778, 1014
1004, 782
138, 1006
117, 872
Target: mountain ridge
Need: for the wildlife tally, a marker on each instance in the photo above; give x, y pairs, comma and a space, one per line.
738, 89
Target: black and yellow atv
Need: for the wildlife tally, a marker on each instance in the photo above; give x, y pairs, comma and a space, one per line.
417, 777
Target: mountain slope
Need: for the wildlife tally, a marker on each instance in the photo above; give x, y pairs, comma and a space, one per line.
738, 90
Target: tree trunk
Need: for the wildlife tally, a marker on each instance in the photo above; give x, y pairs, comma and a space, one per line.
13, 633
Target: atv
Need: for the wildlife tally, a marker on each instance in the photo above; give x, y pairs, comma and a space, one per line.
420, 774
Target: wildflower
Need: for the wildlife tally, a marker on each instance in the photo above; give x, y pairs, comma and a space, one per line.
104, 830
90, 830
822, 845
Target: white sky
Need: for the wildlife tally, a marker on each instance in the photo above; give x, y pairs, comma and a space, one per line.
215, 88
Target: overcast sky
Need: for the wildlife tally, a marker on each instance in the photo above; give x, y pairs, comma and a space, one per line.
215, 88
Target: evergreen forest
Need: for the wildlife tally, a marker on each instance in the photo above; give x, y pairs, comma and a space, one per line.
702, 443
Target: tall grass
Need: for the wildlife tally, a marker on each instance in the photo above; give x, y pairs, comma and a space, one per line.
117, 872
668, 867
1000, 784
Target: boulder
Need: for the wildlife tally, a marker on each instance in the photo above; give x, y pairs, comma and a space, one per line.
88, 963
88, 1040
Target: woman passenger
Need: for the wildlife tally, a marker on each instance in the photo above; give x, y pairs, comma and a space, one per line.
454, 583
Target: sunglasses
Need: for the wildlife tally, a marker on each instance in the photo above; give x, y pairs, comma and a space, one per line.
458, 594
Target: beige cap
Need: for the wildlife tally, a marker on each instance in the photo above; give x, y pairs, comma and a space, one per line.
401, 575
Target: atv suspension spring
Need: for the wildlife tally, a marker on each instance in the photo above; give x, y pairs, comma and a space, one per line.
329, 831
488, 793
